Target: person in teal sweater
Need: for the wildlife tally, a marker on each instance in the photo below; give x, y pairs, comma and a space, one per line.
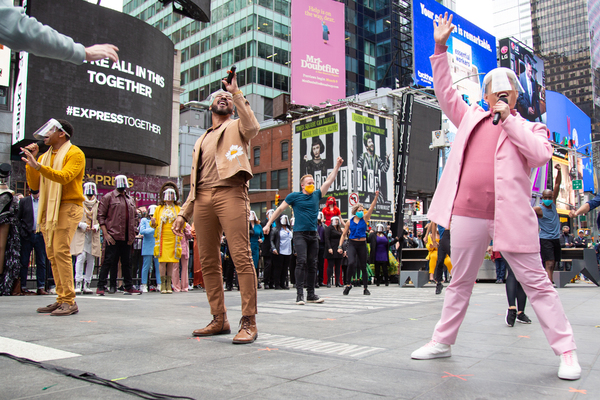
256, 238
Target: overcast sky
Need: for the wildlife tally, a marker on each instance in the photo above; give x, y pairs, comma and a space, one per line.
478, 12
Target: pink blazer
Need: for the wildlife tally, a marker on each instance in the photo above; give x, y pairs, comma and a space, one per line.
522, 145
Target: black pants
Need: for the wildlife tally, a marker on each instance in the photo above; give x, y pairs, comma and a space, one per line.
320, 263
443, 251
281, 263
357, 260
383, 266
136, 264
331, 262
514, 291
268, 270
113, 253
229, 272
307, 249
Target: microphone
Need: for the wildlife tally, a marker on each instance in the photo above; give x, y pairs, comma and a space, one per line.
497, 115
39, 143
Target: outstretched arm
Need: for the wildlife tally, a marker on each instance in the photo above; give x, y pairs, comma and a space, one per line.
370, 211
325, 186
274, 216
557, 182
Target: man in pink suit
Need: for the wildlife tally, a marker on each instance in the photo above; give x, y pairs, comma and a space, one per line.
484, 194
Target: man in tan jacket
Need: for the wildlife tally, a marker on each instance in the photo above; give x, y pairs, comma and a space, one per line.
218, 202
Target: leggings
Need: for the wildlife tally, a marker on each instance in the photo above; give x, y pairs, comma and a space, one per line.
357, 260
514, 290
331, 262
381, 266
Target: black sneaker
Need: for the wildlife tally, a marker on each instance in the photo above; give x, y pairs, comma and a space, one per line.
347, 290
522, 318
112, 290
366, 292
511, 315
300, 300
314, 299
438, 288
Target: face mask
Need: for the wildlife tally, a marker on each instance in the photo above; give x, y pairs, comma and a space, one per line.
389, 235
547, 203
274, 225
309, 188
334, 222
360, 214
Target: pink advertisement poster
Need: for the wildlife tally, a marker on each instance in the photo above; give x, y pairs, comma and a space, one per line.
318, 52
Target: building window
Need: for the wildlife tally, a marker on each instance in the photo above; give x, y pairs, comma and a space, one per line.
265, 77
259, 181
239, 53
284, 150
265, 25
279, 179
260, 209
256, 151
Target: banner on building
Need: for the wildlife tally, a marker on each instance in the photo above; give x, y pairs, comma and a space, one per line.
471, 50
318, 52
531, 103
365, 142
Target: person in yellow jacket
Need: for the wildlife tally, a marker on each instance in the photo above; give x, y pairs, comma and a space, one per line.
167, 245
58, 175
432, 237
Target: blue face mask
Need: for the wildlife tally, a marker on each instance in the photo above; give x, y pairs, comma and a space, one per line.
547, 203
274, 224
360, 214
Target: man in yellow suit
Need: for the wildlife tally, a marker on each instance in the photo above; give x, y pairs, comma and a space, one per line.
58, 175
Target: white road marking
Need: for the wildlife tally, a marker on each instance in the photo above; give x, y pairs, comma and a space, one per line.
33, 351
317, 346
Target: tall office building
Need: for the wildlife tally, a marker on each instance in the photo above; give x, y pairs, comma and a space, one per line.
252, 34
255, 36
561, 36
513, 18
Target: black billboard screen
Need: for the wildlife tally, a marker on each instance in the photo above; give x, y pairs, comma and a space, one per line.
120, 111
422, 162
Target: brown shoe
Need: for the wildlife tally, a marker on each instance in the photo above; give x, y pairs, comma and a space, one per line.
49, 308
41, 292
65, 309
248, 332
218, 326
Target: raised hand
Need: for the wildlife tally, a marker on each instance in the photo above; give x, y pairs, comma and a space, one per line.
442, 28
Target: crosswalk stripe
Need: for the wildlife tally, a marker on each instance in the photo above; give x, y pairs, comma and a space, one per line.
32, 351
317, 346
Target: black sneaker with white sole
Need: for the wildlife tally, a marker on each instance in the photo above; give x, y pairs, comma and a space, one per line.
511, 316
522, 318
300, 300
314, 299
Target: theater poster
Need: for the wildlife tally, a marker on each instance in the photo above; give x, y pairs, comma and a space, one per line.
364, 141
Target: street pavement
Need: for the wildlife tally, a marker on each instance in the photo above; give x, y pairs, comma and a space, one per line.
350, 347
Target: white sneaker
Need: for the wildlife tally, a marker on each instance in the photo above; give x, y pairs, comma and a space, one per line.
144, 288
431, 350
190, 288
86, 288
52, 290
78, 287
569, 366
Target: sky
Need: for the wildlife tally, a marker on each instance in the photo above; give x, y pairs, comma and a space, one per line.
114, 4
479, 12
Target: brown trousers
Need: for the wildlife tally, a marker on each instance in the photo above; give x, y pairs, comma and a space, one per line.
225, 209
59, 251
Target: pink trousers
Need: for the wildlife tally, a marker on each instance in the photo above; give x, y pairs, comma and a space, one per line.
181, 286
469, 241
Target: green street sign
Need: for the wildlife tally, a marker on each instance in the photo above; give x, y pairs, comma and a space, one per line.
577, 184
582, 218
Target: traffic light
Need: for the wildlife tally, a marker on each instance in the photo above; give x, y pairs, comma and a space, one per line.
276, 200
417, 205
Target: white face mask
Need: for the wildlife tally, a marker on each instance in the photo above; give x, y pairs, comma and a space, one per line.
335, 222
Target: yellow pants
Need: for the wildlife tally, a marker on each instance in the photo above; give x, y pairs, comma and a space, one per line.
433, 256
59, 251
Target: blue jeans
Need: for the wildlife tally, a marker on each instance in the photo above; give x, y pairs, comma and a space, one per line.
500, 268
307, 250
36, 242
146, 269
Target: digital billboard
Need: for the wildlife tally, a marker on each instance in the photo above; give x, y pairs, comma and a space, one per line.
471, 50
318, 52
531, 104
570, 127
4, 65
120, 111
365, 142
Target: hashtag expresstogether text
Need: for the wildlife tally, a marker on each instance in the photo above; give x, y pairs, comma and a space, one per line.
113, 118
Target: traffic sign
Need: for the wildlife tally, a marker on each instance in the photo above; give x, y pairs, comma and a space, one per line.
577, 184
353, 200
419, 218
